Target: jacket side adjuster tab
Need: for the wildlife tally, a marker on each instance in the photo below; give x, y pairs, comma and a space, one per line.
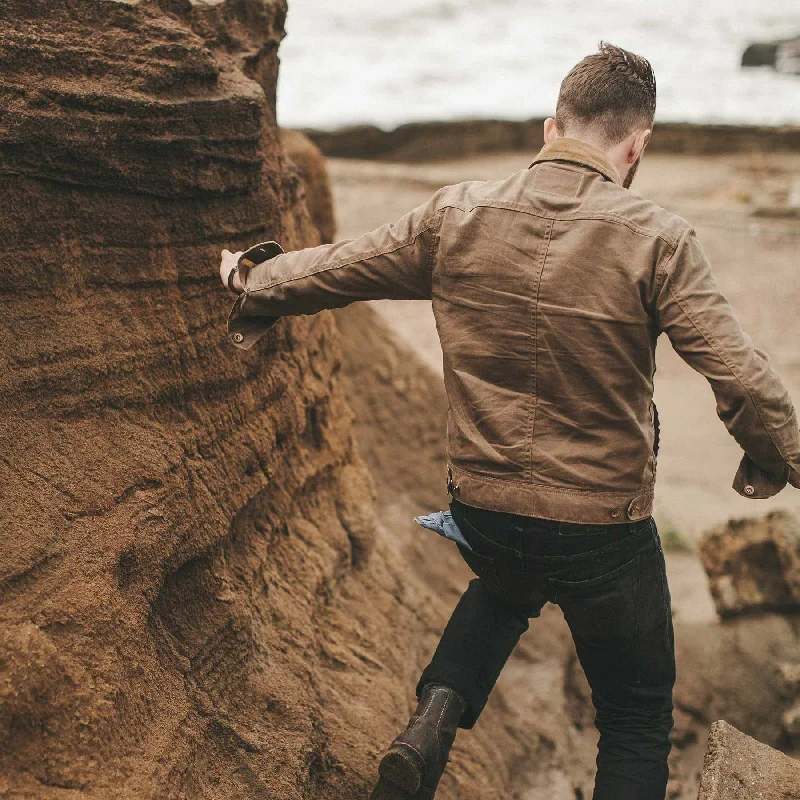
636, 508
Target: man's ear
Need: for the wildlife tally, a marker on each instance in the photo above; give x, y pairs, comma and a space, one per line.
550, 131
640, 140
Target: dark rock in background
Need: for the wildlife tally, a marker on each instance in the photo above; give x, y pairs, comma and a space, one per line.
783, 55
754, 564
760, 54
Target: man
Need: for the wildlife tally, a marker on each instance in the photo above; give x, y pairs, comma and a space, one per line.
549, 290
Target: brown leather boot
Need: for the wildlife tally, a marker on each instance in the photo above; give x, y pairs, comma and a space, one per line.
416, 759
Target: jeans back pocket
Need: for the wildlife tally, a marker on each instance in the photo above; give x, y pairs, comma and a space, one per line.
603, 608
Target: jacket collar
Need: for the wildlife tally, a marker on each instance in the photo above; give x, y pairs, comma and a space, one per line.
579, 152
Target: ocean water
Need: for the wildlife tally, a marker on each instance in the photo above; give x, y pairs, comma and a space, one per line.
392, 61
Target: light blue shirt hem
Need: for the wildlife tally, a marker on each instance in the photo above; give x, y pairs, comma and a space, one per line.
443, 523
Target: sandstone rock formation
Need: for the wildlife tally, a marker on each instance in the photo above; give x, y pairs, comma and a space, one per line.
733, 670
753, 567
737, 767
754, 564
177, 519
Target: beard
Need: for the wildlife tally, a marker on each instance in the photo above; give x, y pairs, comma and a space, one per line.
631, 172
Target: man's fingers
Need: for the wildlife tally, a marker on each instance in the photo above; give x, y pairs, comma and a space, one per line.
230, 259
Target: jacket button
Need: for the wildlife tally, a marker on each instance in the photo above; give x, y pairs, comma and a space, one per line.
615, 512
237, 337
749, 490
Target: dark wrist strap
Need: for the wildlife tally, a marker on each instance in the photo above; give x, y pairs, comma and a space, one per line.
252, 257
230, 279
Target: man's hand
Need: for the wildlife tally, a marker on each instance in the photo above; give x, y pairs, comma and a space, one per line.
228, 263
794, 478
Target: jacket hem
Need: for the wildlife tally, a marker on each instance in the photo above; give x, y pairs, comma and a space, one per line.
549, 502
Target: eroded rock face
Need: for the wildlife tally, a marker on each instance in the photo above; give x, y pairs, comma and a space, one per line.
738, 767
177, 519
754, 564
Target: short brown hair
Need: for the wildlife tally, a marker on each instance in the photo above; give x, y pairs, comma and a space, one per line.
612, 89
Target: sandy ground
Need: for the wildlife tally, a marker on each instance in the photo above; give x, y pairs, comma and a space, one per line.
738, 205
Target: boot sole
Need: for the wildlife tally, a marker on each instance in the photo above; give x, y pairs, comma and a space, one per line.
403, 767
386, 790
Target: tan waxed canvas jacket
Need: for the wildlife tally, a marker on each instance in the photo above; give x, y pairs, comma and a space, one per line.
549, 290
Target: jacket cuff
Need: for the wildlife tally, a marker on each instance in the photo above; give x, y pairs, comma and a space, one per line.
787, 440
755, 483
244, 331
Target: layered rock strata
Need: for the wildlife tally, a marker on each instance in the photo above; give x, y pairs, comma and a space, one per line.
182, 525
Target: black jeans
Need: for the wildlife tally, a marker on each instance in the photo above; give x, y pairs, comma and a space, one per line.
611, 583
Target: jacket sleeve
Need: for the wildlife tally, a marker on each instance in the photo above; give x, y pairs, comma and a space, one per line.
394, 261
751, 399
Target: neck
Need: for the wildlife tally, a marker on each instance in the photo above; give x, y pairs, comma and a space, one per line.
589, 137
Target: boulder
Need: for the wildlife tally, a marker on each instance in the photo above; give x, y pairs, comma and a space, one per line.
737, 767
760, 54
754, 564
783, 55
